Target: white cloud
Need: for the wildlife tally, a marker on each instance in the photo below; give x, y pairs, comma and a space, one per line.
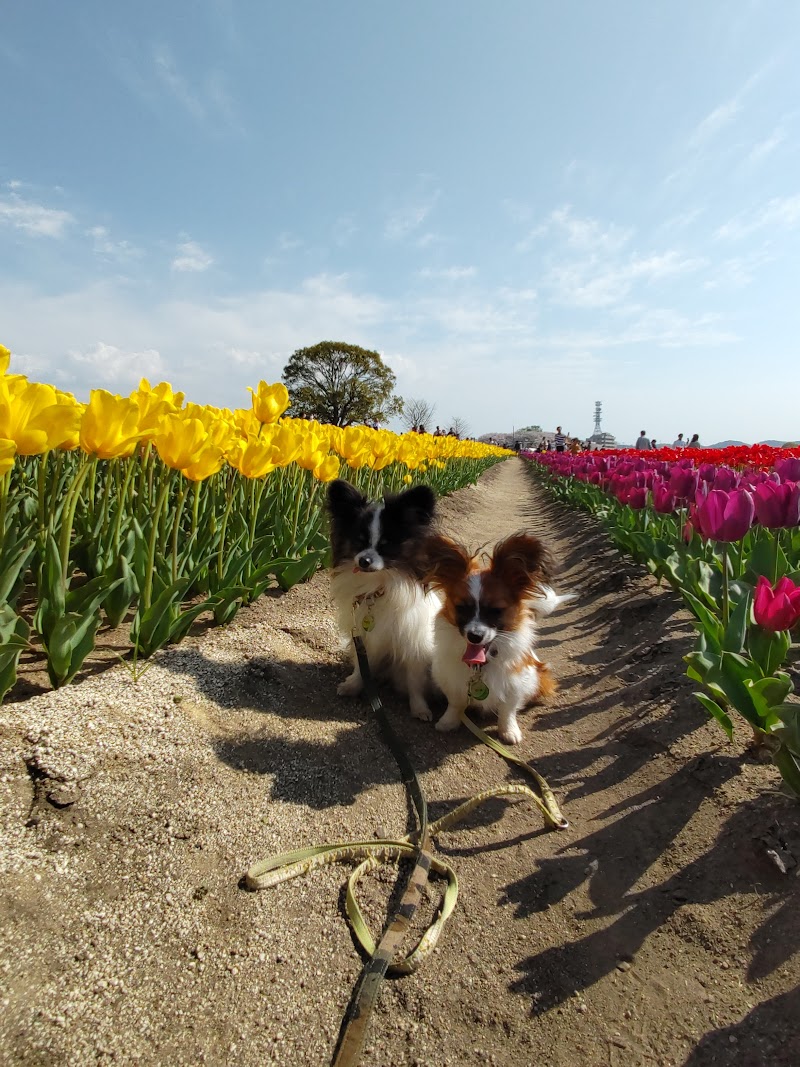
32, 218
175, 83
448, 274
764, 148
724, 114
783, 212
594, 284
108, 365
586, 234
105, 246
404, 221
191, 258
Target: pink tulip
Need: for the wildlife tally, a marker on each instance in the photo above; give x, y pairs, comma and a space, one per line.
777, 506
778, 608
724, 516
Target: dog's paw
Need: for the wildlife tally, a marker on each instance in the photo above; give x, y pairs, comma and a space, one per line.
448, 722
512, 735
352, 686
421, 711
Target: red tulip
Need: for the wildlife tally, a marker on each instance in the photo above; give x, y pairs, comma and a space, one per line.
778, 608
724, 516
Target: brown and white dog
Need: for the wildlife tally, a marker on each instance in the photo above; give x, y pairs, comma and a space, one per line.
485, 633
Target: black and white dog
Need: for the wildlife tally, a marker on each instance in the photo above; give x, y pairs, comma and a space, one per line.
378, 562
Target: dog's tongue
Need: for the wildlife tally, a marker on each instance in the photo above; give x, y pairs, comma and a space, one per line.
474, 654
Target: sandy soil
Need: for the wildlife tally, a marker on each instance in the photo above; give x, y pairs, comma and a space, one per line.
659, 929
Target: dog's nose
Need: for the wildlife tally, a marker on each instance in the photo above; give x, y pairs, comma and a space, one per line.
475, 636
365, 560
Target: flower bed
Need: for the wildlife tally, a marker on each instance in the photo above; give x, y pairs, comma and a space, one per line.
723, 528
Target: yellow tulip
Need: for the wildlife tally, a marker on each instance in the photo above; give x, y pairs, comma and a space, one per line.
179, 441
5, 357
8, 451
253, 459
327, 469
207, 463
110, 425
353, 442
154, 404
269, 401
286, 445
33, 418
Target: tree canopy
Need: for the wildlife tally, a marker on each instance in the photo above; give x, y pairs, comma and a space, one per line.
341, 384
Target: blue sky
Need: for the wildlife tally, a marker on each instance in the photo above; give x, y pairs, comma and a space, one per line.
523, 206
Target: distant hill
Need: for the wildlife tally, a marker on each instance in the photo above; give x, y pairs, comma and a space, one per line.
730, 444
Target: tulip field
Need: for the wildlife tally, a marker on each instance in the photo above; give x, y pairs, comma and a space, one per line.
150, 511
723, 528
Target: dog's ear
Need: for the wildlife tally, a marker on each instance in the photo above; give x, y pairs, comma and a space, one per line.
417, 505
445, 562
344, 498
520, 563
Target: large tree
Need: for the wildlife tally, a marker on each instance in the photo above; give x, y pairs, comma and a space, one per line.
341, 384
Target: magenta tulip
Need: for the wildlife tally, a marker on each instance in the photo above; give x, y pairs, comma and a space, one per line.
778, 608
788, 469
777, 505
706, 471
637, 497
664, 500
724, 516
725, 479
683, 483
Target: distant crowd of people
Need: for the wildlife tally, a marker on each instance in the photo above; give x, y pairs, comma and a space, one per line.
561, 442
643, 441
438, 432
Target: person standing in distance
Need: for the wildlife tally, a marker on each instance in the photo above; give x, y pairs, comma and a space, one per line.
643, 441
559, 440
679, 442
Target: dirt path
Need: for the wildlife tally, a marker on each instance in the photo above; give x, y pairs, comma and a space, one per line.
656, 930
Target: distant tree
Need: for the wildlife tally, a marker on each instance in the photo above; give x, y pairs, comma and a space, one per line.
533, 429
461, 426
341, 384
418, 411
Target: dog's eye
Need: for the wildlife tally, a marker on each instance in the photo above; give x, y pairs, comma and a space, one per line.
491, 615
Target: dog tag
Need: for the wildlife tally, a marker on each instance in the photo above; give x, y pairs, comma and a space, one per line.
477, 688
368, 622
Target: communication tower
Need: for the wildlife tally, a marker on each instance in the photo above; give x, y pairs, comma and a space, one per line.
598, 411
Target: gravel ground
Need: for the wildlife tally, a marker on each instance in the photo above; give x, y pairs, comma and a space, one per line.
658, 929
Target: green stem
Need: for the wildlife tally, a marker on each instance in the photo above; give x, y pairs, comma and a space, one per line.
176, 530
725, 596
147, 594
776, 535
121, 503
5, 482
68, 514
